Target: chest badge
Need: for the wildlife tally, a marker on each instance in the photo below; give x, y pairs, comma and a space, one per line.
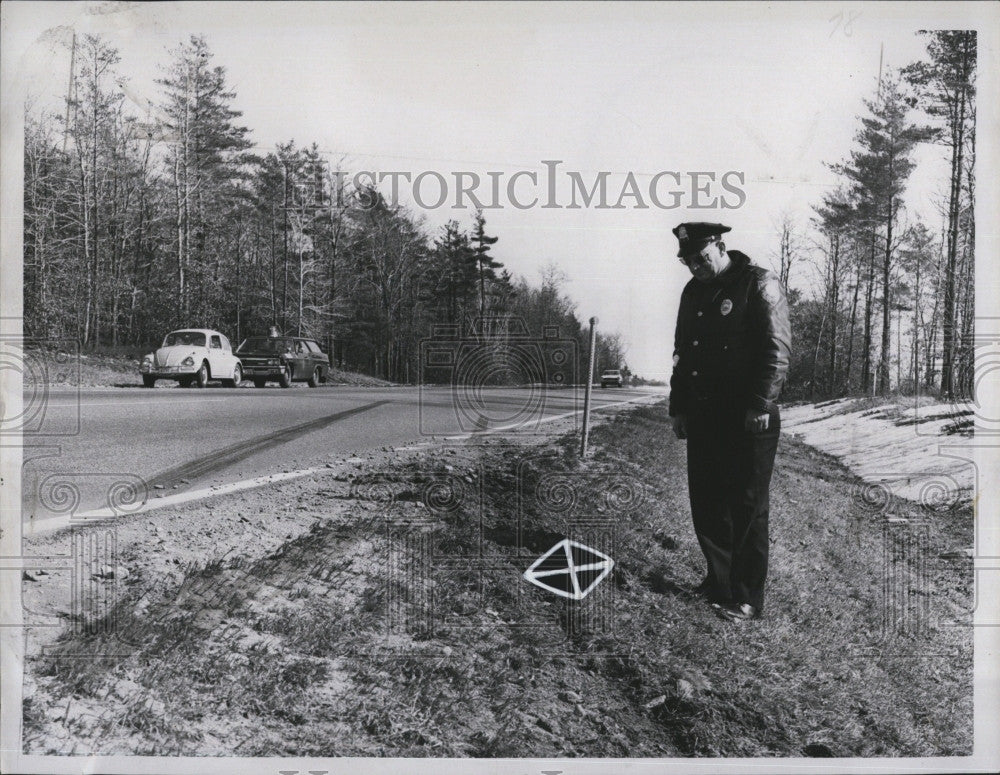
727, 306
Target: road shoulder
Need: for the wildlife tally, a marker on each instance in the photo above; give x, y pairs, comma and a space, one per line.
378, 609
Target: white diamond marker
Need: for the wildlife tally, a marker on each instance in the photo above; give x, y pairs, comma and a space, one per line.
557, 571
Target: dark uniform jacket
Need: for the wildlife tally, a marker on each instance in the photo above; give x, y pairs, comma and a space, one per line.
732, 342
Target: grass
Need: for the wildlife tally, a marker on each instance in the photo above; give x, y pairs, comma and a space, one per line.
389, 636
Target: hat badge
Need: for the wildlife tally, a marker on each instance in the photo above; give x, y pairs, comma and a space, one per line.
682, 233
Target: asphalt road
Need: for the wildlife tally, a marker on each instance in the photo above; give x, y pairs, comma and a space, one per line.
113, 445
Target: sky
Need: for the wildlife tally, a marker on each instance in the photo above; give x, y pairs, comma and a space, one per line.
771, 91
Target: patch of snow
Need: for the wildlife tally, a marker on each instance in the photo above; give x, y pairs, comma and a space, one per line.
896, 447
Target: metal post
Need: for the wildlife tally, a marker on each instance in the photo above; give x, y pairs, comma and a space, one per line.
589, 387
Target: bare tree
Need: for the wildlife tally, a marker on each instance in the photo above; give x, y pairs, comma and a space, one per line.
946, 85
789, 246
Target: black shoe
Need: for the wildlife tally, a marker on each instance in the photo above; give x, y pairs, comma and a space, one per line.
738, 613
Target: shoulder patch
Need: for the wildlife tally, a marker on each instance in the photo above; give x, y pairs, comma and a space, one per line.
770, 291
768, 285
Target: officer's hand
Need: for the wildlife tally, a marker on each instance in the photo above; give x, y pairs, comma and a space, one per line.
755, 421
680, 426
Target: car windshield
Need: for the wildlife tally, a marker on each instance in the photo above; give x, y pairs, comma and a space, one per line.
184, 338
611, 373
265, 344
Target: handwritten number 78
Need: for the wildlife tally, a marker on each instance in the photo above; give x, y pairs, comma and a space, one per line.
844, 22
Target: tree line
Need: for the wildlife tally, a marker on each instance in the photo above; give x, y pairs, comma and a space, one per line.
141, 220
888, 283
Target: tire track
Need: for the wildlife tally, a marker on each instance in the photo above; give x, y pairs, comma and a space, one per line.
235, 453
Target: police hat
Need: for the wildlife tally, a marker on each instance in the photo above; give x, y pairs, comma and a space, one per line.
692, 235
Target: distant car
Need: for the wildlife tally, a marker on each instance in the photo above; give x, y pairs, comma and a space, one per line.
612, 377
283, 359
193, 357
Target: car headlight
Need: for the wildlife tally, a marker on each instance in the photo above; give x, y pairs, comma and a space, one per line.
147, 361
272, 362
189, 361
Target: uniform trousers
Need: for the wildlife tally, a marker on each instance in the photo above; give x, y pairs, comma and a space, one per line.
729, 478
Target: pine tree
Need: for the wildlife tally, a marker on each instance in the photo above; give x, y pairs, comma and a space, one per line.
878, 170
93, 112
833, 220
207, 161
946, 86
486, 266
456, 268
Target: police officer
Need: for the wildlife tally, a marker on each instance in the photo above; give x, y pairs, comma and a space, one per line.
731, 351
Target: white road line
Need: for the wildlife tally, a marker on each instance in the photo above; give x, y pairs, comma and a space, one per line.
36, 527
553, 418
185, 400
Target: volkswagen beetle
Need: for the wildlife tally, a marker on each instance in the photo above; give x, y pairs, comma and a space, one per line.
193, 356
